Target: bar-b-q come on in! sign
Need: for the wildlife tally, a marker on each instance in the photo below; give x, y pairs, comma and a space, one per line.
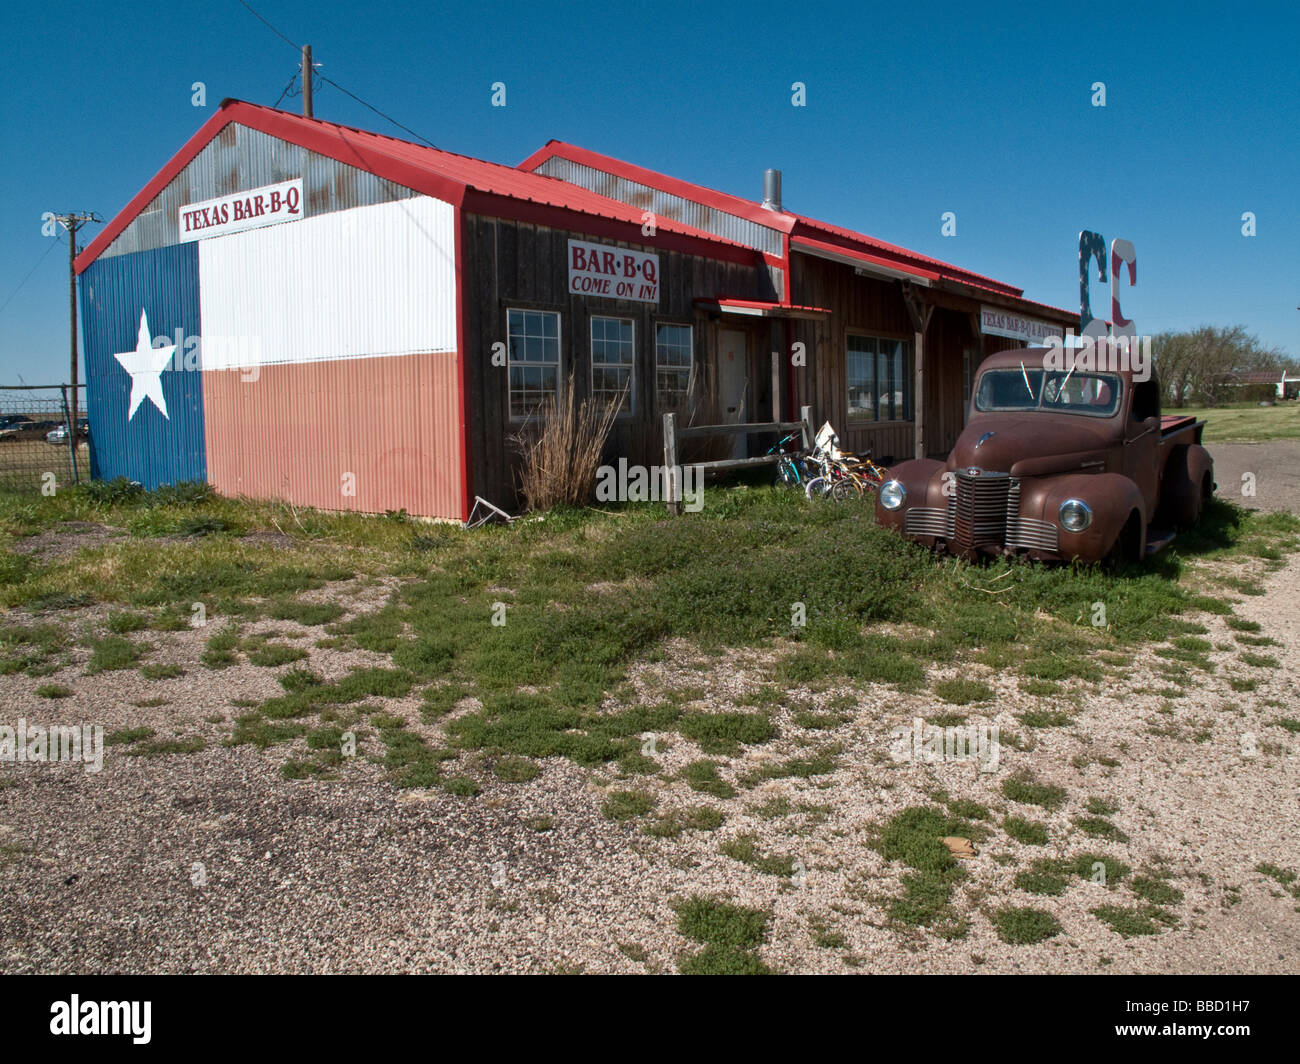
238, 211
615, 273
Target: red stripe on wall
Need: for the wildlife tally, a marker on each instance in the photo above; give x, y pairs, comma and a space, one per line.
297, 431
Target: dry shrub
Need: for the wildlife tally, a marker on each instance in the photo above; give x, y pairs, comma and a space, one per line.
561, 450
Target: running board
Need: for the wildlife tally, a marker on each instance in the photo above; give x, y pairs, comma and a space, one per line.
1158, 540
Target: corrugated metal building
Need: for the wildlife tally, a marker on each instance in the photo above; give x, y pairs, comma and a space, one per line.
300, 310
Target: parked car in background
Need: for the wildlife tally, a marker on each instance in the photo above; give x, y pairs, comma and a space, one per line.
59, 435
12, 426
1055, 465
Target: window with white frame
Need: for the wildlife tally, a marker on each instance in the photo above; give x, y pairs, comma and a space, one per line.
673, 352
534, 360
879, 384
612, 357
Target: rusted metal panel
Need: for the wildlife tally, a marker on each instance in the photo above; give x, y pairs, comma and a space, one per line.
240, 158
365, 434
665, 205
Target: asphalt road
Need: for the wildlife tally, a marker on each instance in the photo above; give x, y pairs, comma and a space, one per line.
1276, 468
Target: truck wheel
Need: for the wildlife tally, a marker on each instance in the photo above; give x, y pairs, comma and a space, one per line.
1128, 544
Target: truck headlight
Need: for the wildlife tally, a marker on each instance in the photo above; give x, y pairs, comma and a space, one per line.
892, 495
1074, 515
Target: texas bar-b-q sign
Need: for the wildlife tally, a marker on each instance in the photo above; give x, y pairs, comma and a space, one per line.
238, 211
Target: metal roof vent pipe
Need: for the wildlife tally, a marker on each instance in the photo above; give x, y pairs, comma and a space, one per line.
772, 190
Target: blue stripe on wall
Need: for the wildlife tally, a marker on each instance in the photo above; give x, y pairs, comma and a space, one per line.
148, 446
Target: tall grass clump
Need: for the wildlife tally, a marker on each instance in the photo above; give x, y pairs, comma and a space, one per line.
561, 450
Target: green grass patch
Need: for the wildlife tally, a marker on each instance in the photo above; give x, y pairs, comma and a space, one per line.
914, 837
1022, 787
1023, 926
161, 671
627, 805
731, 935
112, 652
1030, 832
725, 733
744, 848
1132, 921
963, 692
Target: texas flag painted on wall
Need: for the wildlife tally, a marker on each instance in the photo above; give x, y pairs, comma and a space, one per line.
138, 311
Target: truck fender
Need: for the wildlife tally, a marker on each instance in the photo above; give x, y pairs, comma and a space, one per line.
1185, 485
1113, 499
922, 480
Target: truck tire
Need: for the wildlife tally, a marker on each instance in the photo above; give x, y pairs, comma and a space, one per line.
1182, 490
1127, 549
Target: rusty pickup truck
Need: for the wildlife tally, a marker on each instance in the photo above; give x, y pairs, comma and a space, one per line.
1055, 465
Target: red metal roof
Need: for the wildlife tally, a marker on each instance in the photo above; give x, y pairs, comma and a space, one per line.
458, 179
795, 225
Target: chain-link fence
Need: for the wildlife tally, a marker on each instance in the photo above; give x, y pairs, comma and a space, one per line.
36, 441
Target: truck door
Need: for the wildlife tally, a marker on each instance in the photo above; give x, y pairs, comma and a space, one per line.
1142, 442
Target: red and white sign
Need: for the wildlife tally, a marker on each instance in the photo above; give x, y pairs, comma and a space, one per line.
242, 210
613, 273
997, 322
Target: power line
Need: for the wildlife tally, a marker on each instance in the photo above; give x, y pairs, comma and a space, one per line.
329, 81
57, 240
271, 28
387, 118
286, 89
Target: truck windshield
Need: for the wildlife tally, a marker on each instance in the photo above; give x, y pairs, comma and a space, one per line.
1092, 394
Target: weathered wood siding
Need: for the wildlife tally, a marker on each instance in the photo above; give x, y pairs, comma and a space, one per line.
517, 264
875, 307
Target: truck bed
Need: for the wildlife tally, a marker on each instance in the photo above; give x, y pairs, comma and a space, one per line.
1173, 422
1176, 429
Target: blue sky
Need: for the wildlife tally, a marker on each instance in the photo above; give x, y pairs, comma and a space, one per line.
912, 110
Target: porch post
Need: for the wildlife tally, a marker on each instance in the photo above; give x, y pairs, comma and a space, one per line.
919, 311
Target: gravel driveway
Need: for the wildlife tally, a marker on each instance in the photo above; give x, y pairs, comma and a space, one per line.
214, 862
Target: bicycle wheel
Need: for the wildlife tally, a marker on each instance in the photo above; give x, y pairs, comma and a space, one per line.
787, 473
815, 488
848, 488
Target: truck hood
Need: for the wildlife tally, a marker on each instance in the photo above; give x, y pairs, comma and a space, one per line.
1043, 443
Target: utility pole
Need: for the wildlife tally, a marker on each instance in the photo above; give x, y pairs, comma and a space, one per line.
306, 80
72, 223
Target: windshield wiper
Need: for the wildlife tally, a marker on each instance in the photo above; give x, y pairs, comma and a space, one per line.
1028, 386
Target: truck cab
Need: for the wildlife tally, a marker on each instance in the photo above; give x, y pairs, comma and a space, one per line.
1056, 464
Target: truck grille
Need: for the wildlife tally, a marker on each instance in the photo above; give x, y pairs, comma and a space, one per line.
928, 521
979, 508
1027, 532
984, 509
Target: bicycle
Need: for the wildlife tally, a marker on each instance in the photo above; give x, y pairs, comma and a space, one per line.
789, 469
841, 475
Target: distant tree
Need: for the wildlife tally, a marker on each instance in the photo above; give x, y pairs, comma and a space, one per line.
1203, 366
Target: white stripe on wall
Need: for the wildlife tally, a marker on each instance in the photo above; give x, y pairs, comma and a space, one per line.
378, 280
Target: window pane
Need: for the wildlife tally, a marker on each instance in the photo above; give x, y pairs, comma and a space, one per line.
862, 377
534, 349
673, 348
902, 384
612, 355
